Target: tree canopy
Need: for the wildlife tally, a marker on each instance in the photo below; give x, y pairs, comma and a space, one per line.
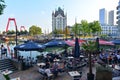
2, 6
35, 30
86, 28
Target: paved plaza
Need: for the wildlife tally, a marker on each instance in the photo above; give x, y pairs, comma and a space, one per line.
33, 74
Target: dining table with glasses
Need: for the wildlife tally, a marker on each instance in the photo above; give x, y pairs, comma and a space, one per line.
7, 72
56, 60
17, 78
70, 57
117, 67
74, 75
41, 64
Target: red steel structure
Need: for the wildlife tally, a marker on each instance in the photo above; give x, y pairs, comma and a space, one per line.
22, 27
11, 19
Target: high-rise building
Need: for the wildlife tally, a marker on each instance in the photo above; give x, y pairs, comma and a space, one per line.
103, 16
118, 16
111, 18
59, 19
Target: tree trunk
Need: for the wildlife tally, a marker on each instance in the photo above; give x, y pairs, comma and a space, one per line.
90, 64
90, 75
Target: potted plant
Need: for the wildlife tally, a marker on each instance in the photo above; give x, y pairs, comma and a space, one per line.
102, 71
90, 48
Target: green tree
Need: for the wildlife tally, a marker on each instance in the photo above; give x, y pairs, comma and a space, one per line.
57, 32
35, 30
2, 6
25, 32
95, 27
84, 27
10, 32
75, 29
66, 31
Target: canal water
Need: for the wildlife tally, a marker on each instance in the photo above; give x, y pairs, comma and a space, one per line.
10, 48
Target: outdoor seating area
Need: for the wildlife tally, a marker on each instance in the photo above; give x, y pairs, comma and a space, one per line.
56, 64
111, 58
70, 62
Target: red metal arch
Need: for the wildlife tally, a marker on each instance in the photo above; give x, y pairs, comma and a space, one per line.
11, 19
22, 27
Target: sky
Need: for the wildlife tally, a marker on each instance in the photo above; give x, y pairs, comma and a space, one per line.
39, 12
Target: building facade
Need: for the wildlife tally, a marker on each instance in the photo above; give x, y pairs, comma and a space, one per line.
111, 18
118, 17
59, 19
103, 16
109, 30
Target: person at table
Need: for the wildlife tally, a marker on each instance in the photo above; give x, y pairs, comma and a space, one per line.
49, 73
55, 68
118, 57
3, 50
115, 59
110, 59
41, 69
47, 58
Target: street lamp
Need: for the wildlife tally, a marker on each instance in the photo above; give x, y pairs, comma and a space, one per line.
66, 33
97, 44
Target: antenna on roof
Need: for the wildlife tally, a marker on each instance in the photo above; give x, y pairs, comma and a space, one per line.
75, 20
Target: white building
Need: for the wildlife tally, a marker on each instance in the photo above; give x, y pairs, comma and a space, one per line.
111, 18
59, 20
109, 30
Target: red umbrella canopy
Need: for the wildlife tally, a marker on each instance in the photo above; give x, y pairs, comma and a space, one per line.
81, 41
103, 42
72, 42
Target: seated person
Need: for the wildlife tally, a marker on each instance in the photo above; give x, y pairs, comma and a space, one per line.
41, 69
48, 72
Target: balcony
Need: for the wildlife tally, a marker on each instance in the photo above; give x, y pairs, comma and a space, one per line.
118, 7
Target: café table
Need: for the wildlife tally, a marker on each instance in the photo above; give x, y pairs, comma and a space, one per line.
41, 64
82, 56
74, 75
18, 78
117, 67
70, 57
56, 60
116, 78
7, 72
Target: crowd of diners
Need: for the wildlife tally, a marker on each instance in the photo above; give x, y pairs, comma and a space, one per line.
58, 63
52, 65
111, 56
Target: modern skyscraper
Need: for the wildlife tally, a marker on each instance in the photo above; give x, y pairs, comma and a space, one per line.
103, 16
111, 18
59, 19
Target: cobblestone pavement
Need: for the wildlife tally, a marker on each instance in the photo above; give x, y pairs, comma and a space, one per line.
33, 74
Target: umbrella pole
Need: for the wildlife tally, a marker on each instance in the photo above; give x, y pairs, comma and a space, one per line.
30, 54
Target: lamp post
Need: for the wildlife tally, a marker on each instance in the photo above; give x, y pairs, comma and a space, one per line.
66, 33
97, 44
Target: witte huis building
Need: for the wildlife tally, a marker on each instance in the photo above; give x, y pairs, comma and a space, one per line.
59, 19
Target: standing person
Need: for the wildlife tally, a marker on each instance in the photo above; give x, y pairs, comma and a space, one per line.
12, 54
2, 51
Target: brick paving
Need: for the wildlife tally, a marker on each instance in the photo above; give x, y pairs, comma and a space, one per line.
33, 74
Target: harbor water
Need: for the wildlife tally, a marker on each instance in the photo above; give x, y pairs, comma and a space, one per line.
10, 49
